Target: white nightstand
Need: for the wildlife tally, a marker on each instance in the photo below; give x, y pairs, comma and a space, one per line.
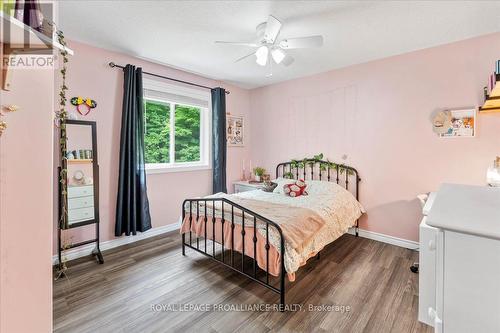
244, 185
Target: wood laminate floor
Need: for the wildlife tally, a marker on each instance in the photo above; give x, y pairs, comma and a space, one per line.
370, 277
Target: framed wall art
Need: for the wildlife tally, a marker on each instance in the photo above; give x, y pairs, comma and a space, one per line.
235, 130
462, 123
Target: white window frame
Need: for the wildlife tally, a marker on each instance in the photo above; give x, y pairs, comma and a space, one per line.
205, 162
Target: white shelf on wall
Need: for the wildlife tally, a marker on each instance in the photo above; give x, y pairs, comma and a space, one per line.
79, 161
492, 102
17, 35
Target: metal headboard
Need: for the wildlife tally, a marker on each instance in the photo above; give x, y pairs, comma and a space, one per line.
311, 169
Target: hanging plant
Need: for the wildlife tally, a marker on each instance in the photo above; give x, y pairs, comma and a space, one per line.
61, 270
60, 121
62, 116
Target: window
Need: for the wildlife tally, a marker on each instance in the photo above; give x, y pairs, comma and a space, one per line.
176, 128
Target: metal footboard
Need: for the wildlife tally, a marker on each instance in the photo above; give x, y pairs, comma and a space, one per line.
227, 212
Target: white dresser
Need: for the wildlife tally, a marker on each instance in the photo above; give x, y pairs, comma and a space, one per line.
244, 185
427, 265
80, 203
461, 257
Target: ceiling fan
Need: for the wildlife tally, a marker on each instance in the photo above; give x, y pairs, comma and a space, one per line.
269, 47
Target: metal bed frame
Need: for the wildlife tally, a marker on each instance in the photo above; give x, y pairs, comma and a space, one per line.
294, 169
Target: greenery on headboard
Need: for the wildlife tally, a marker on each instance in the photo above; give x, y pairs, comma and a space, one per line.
323, 165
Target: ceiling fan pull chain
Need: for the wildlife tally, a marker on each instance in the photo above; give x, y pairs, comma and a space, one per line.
270, 68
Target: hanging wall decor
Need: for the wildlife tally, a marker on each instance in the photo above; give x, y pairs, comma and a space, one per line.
235, 131
455, 123
3, 127
6, 108
83, 105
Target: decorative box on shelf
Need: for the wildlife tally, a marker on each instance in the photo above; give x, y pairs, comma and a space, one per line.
245, 185
492, 101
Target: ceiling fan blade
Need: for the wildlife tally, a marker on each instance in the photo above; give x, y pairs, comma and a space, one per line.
273, 27
301, 42
287, 60
244, 57
237, 43
262, 55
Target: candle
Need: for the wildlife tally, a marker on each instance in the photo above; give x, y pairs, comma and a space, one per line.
243, 177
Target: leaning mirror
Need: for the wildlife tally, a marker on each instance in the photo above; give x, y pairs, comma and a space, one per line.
82, 173
80, 205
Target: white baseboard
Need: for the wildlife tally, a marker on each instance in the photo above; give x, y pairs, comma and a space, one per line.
412, 245
110, 244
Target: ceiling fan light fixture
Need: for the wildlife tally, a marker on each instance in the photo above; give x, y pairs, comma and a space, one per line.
283, 44
262, 54
278, 55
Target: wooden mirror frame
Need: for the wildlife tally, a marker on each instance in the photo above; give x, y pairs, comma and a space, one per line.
95, 173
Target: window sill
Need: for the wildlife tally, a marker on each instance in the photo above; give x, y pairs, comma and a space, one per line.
178, 168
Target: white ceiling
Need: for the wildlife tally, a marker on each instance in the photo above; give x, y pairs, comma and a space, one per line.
181, 34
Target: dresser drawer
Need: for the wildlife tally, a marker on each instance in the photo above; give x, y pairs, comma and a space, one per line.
80, 214
80, 191
81, 202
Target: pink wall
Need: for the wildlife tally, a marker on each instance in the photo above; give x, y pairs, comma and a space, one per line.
379, 114
90, 76
26, 204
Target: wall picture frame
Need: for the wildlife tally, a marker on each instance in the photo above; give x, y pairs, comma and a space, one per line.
463, 124
235, 131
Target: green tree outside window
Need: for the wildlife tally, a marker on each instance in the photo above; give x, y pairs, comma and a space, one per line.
157, 134
187, 133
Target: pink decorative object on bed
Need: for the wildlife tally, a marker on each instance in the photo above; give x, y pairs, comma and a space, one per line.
296, 189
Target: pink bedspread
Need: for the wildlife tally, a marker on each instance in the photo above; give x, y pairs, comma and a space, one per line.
198, 228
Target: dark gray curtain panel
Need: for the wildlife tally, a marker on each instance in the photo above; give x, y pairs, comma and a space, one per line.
219, 140
132, 204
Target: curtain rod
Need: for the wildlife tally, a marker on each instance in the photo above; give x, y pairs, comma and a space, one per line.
112, 65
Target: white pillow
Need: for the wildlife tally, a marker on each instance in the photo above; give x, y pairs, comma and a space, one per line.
320, 186
282, 182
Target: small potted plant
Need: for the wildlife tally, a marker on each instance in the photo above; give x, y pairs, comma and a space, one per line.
258, 172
